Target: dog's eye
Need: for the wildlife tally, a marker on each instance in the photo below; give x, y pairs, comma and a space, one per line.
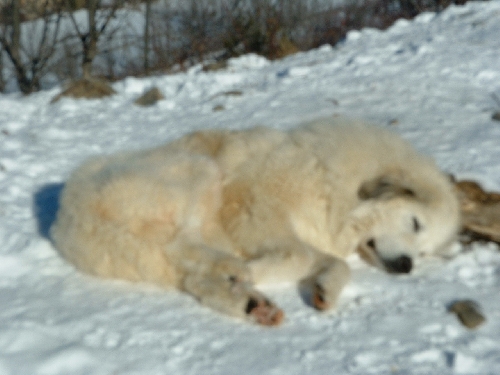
416, 225
371, 244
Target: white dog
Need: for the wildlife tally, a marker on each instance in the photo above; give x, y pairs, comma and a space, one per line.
216, 211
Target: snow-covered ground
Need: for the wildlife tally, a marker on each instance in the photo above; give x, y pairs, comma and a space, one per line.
432, 80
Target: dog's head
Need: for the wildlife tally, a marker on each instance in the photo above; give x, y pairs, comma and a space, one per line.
400, 218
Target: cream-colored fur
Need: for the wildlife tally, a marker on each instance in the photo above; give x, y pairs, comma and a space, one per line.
216, 211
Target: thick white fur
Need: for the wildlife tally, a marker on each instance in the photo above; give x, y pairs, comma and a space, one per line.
216, 211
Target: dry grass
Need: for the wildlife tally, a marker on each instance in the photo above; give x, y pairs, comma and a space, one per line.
86, 88
285, 47
150, 97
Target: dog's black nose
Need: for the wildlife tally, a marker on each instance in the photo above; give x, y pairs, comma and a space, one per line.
402, 264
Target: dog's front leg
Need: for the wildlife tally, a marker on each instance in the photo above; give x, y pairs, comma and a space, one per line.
327, 281
223, 282
233, 297
322, 277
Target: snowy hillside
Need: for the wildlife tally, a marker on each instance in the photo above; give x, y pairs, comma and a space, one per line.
432, 80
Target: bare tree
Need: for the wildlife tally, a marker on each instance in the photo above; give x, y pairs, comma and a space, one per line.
29, 55
164, 36
98, 19
147, 22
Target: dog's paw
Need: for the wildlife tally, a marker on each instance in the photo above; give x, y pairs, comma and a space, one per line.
319, 299
262, 311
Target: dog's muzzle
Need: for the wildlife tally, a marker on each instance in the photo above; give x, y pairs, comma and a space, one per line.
400, 264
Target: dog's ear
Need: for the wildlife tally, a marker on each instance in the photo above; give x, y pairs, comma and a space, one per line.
384, 187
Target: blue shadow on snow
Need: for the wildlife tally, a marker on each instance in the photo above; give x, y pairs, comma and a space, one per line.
45, 205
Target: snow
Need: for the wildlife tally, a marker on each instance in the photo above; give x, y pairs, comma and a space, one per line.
432, 80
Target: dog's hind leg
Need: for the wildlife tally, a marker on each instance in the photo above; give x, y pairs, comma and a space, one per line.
322, 277
223, 282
